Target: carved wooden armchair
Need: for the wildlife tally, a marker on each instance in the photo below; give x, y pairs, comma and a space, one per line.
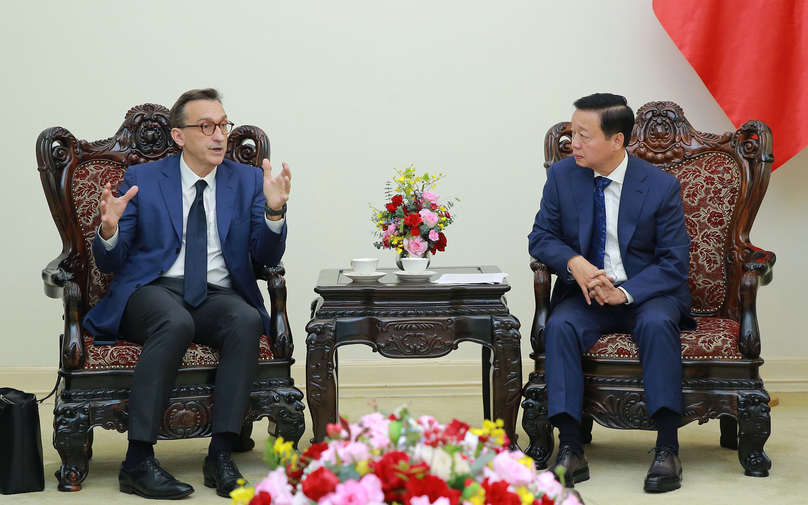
96, 379
724, 178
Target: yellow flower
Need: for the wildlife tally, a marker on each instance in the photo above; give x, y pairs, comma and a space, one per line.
362, 467
492, 429
479, 498
379, 215
525, 495
242, 495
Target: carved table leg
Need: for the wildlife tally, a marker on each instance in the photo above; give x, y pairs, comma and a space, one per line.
70, 439
507, 376
754, 423
535, 422
321, 388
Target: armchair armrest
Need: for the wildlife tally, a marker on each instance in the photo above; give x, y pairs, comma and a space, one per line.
757, 272
58, 283
280, 333
541, 294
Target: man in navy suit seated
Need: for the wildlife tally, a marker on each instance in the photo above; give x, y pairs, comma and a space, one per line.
612, 227
179, 240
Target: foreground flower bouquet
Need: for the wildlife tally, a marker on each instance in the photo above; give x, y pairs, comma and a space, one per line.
399, 459
413, 219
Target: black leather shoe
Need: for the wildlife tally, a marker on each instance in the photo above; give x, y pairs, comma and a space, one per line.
149, 480
665, 473
576, 467
221, 473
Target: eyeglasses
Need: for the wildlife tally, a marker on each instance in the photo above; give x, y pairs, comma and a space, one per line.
208, 127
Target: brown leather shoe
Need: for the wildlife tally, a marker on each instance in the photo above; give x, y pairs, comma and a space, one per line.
665, 473
575, 467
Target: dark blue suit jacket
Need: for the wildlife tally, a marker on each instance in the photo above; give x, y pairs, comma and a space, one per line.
654, 244
151, 236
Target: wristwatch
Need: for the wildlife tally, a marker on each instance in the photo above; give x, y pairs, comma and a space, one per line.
269, 212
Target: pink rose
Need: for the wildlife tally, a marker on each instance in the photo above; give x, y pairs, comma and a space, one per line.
416, 246
367, 491
429, 218
429, 196
433, 235
511, 470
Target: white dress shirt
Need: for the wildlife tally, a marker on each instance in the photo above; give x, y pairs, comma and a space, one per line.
217, 268
612, 262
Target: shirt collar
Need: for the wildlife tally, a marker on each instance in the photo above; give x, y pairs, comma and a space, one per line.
619, 173
189, 178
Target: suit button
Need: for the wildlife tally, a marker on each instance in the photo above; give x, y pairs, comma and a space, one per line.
177, 250
137, 286
161, 272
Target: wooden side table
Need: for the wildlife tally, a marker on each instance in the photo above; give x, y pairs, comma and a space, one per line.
410, 319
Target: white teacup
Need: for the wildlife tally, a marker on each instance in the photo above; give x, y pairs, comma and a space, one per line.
364, 265
414, 265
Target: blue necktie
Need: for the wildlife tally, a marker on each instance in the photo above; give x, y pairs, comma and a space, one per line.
196, 250
597, 244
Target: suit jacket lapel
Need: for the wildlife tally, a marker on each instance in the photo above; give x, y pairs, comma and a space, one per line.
171, 188
225, 199
632, 199
583, 187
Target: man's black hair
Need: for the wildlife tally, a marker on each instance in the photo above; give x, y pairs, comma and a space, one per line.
615, 114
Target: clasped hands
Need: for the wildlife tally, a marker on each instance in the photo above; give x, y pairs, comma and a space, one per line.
594, 283
276, 192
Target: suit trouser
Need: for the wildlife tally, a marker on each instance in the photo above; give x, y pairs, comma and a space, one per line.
574, 327
157, 317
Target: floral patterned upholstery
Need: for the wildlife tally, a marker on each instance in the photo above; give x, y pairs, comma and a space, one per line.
89, 180
709, 192
713, 338
124, 355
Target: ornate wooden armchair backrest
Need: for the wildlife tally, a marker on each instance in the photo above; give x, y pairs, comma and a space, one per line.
74, 173
724, 178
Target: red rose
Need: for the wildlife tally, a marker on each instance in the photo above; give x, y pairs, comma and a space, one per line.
496, 493
313, 452
262, 498
319, 483
415, 231
545, 500
456, 430
440, 244
446, 214
397, 200
413, 220
389, 471
432, 487
391, 207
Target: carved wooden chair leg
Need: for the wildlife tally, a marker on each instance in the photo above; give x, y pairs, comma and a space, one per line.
729, 432
244, 442
754, 428
287, 418
71, 440
586, 429
535, 422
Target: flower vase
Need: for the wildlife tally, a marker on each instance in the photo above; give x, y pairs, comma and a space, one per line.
405, 254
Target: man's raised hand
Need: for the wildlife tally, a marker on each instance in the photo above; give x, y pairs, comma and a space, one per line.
111, 209
276, 189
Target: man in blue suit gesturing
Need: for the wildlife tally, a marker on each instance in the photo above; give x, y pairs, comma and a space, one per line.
179, 239
612, 227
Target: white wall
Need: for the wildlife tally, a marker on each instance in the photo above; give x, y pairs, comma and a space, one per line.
346, 91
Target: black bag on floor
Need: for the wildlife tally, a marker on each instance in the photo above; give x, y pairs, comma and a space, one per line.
21, 467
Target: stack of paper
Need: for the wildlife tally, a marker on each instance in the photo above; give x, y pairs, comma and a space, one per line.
471, 278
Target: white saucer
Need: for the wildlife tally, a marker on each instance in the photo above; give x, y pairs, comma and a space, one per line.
407, 276
373, 276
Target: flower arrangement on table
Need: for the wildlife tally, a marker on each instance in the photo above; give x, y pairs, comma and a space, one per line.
399, 459
413, 219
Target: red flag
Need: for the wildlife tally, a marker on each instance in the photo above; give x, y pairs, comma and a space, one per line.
753, 57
